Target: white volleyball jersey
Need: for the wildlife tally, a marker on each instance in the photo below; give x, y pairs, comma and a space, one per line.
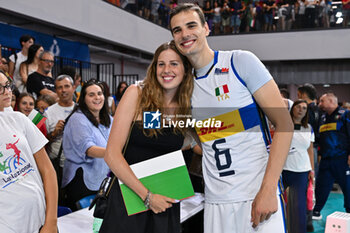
235, 154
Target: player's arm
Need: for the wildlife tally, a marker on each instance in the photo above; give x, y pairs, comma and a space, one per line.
114, 158
270, 100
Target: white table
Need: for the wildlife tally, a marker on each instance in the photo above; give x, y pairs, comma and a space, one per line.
81, 221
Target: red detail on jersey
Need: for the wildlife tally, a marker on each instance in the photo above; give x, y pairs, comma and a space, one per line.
210, 130
225, 88
224, 70
15, 149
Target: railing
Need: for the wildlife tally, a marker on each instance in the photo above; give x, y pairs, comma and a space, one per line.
87, 70
325, 14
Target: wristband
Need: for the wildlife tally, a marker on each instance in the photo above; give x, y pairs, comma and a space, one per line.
146, 202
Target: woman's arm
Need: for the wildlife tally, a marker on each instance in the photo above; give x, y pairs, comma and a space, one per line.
96, 152
48, 176
114, 158
23, 68
310, 151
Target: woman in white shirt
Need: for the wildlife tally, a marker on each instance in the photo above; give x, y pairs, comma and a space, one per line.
298, 168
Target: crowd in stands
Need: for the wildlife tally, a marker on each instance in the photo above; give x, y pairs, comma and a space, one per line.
235, 16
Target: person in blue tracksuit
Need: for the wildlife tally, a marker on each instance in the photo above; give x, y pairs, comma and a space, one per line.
334, 151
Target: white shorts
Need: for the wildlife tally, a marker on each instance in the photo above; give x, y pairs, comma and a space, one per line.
235, 218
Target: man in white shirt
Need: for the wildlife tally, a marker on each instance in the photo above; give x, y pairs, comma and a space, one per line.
56, 115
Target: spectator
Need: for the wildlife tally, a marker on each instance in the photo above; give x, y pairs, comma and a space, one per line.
346, 12
110, 99
120, 90
71, 71
269, 10
15, 95
346, 105
334, 152
84, 141
30, 65
208, 13
298, 169
41, 81
43, 102
310, 13
56, 116
300, 18
25, 103
226, 17
237, 10
4, 65
23, 153
16, 59
26, 106
217, 18
154, 10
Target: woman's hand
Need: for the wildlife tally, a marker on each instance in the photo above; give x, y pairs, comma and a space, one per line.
159, 203
311, 175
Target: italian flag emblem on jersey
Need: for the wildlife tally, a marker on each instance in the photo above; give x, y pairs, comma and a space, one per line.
221, 90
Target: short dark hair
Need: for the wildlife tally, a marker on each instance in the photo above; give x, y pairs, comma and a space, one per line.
309, 90
284, 92
187, 7
104, 115
25, 38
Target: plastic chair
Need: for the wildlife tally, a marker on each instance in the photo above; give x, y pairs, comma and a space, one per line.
84, 202
62, 210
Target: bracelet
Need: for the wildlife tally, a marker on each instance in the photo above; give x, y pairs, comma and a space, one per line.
146, 202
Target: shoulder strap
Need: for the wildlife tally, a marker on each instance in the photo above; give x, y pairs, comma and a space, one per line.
124, 149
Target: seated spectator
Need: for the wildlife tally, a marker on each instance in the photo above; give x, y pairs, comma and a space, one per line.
22, 152
26, 106
41, 81
30, 65
43, 102
84, 143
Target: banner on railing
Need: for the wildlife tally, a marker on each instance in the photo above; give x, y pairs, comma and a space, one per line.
9, 36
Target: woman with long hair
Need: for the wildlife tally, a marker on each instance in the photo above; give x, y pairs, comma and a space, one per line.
27, 179
167, 88
298, 169
31, 64
85, 138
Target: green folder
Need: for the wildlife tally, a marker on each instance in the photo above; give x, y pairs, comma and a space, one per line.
166, 175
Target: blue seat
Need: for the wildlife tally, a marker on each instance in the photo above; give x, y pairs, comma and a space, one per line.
85, 202
62, 210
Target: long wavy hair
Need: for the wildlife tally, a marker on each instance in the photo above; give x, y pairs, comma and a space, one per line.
151, 96
104, 115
